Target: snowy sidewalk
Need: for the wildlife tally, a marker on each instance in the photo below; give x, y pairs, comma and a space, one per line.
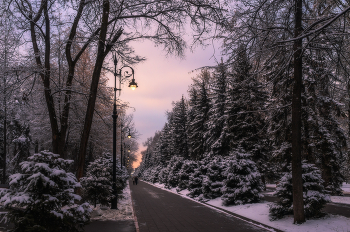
109, 220
159, 210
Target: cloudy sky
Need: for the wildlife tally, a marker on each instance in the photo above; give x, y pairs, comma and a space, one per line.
161, 81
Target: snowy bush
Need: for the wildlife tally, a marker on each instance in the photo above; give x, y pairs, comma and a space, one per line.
146, 174
243, 181
154, 174
163, 175
98, 183
41, 196
187, 169
213, 180
196, 180
314, 194
174, 168
151, 174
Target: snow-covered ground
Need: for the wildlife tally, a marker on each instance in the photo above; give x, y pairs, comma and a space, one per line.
124, 211
259, 212
335, 199
345, 187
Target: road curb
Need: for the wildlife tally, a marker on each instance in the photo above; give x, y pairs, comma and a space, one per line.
258, 224
133, 212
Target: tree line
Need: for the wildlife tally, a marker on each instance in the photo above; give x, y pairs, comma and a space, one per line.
232, 114
298, 50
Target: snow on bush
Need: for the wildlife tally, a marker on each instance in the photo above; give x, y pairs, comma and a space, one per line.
243, 181
163, 175
152, 174
41, 196
174, 168
187, 169
314, 194
97, 185
213, 180
153, 177
196, 179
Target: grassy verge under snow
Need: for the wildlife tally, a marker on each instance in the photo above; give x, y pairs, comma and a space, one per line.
259, 212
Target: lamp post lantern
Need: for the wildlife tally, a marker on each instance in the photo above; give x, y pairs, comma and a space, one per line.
133, 86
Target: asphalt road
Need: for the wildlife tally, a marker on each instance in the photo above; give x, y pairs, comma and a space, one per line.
158, 210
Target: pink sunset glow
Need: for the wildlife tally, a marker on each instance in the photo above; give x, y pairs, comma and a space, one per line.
161, 80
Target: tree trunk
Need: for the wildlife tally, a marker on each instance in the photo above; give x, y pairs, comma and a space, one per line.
45, 73
298, 203
93, 90
348, 108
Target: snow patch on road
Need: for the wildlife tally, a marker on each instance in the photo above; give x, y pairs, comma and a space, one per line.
153, 194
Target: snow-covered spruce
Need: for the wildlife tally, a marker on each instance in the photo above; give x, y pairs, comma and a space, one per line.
174, 168
163, 175
314, 194
41, 196
243, 181
97, 185
154, 173
196, 179
213, 180
187, 169
151, 174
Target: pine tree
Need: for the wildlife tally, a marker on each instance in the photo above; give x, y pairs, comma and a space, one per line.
187, 169
163, 175
279, 116
165, 145
174, 168
200, 106
245, 123
97, 185
213, 180
41, 196
314, 194
179, 128
195, 181
243, 181
324, 139
216, 137
19, 135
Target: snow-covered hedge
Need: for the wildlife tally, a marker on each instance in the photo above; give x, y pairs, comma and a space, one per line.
41, 196
236, 178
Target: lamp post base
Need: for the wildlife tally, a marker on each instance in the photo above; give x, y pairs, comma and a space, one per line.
114, 203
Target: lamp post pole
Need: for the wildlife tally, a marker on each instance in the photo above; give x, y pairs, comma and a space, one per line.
121, 145
114, 202
133, 86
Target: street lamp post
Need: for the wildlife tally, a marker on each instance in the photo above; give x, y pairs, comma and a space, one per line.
133, 86
122, 144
